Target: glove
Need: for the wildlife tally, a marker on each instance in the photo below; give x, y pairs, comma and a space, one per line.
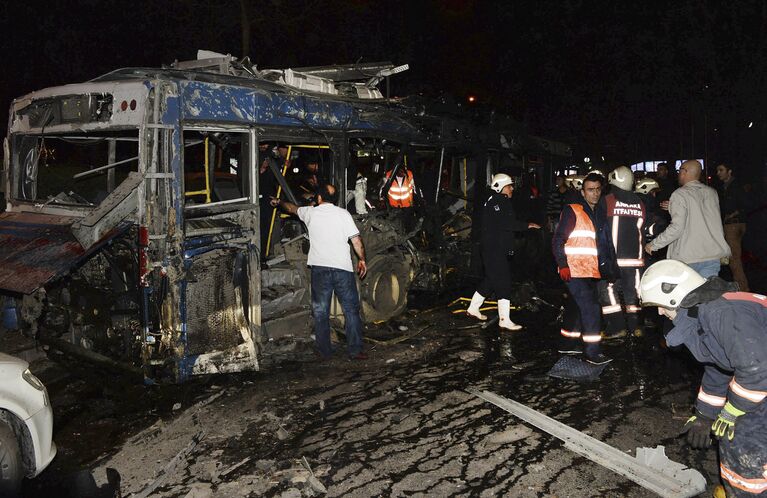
564, 274
698, 430
725, 423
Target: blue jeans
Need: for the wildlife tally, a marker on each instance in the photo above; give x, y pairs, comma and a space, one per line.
706, 269
324, 281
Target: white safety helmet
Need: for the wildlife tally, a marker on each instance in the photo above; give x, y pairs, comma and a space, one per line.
597, 171
667, 282
499, 181
575, 181
621, 177
646, 185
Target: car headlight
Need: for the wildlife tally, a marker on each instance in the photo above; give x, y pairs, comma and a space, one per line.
32, 380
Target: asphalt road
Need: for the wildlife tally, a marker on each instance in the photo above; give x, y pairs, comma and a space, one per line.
399, 424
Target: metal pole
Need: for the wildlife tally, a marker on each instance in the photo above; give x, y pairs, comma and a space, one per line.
111, 158
274, 210
439, 175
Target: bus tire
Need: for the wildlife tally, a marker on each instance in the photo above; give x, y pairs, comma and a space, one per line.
383, 291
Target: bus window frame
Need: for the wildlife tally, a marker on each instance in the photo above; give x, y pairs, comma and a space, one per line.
247, 201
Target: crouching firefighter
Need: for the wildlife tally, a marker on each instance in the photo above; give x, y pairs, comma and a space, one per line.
584, 254
726, 331
499, 222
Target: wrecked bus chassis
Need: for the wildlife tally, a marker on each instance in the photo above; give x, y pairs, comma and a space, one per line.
134, 226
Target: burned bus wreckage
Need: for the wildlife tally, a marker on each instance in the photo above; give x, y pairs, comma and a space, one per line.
137, 228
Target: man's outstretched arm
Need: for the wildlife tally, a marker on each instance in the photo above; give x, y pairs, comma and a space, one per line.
286, 206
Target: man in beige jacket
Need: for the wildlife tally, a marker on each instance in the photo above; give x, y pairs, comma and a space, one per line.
695, 235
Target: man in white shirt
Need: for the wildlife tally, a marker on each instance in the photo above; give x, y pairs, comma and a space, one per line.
331, 229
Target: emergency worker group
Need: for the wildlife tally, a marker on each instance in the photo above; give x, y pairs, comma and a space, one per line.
607, 244
608, 237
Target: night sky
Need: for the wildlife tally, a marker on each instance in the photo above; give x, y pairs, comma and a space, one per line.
625, 80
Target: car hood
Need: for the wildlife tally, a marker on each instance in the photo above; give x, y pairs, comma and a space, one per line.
6, 359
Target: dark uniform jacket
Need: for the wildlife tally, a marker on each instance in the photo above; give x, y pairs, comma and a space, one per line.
499, 222
728, 335
656, 220
626, 216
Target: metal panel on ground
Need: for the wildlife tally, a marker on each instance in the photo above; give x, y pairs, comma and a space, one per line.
669, 479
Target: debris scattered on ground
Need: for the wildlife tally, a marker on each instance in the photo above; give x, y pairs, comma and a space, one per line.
210, 399
522, 366
412, 418
282, 434
656, 458
235, 467
200, 490
516, 433
469, 356
316, 485
291, 493
674, 481
176, 464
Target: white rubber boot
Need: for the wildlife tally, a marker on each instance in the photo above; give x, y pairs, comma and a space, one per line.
476, 304
504, 322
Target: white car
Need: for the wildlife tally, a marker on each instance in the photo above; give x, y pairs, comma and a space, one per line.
26, 425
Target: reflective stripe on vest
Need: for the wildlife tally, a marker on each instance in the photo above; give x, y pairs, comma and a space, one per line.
749, 485
630, 262
401, 196
746, 296
581, 246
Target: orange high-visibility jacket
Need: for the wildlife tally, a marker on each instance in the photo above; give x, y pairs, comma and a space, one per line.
581, 246
401, 196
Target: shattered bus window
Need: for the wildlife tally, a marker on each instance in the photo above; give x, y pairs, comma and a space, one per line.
215, 167
74, 169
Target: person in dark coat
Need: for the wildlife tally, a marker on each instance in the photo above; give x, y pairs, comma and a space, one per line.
734, 204
499, 222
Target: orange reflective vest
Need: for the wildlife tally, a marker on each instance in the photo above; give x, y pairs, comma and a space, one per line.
401, 196
581, 246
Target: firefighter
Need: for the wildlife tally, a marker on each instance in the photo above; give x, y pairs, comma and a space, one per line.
499, 223
626, 217
725, 330
647, 189
581, 250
